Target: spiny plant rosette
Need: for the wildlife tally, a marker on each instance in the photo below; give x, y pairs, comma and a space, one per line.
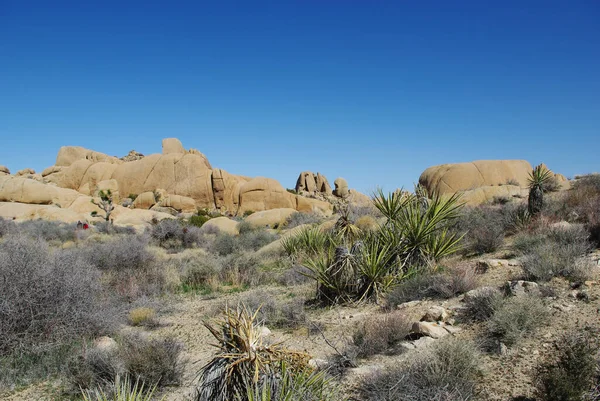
243, 357
537, 179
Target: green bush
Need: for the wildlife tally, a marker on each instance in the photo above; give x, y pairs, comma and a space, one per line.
198, 221
483, 227
300, 218
122, 390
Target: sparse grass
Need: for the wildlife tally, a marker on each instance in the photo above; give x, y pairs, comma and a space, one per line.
447, 371
380, 333
516, 317
143, 317
573, 373
122, 390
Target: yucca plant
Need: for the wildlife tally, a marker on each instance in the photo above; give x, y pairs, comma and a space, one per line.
123, 390
377, 268
335, 272
391, 204
344, 227
538, 178
243, 357
309, 242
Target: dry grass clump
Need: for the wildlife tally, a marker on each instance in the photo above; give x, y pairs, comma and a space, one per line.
174, 235
273, 311
243, 358
573, 374
300, 218
516, 317
379, 334
143, 317
447, 371
367, 223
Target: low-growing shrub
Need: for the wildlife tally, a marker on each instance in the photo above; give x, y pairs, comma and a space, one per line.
106, 227
198, 221
48, 230
429, 284
201, 274
516, 317
172, 235
300, 218
224, 244
152, 360
573, 372
242, 271
252, 240
484, 228
446, 371
122, 390
377, 334
481, 305
274, 312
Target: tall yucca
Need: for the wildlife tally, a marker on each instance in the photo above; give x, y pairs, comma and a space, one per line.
537, 179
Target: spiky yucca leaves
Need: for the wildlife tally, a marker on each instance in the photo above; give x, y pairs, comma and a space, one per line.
344, 227
287, 385
243, 357
309, 242
538, 178
391, 204
123, 390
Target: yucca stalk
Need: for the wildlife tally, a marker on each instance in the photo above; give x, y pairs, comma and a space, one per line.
243, 357
123, 390
537, 179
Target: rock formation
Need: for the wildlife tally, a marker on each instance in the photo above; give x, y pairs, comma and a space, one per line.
175, 181
482, 180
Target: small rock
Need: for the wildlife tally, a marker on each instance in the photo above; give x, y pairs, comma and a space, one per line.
473, 294
521, 288
452, 329
502, 349
407, 345
105, 343
429, 329
408, 304
547, 335
317, 363
589, 283
436, 314
265, 332
535, 352
562, 307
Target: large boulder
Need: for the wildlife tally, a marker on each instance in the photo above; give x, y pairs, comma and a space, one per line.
264, 193
309, 205
223, 224
180, 203
226, 189
270, 218
4, 170
145, 200
341, 187
25, 172
485, 194
457, 177
312, 183
25, 190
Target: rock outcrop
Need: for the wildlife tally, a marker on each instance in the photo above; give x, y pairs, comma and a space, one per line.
4, 170
481, 181
313, 186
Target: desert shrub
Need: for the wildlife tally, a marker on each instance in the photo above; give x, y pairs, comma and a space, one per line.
433, 284
367, 223
482, 305
201, 274
122, 390
105, 227
295, 275
300, 218
248, 213
572, 373
516, 317
274, 312
224, 244
172, 235
152, 360
48, 230
198, 221
377, 334
241, 270
516, 218
49, 301
7, 227
525, 241
558, 255
483, 227
446, 371
130, 268
310, 241
143, 317
254, 239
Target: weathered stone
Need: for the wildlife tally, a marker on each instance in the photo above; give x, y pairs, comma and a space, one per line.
145, 200
429, 329
172, 145
25, 172
436, 314
223, 224
521, 288
270, 218
341, 188
4, 170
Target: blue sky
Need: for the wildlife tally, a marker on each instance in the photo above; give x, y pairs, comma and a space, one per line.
372, 91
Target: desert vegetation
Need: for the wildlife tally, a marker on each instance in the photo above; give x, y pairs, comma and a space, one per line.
413, 297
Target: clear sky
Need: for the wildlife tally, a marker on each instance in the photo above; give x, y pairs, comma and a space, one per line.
372, 91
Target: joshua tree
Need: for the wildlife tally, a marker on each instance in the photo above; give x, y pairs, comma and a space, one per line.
106, 203
537, 179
